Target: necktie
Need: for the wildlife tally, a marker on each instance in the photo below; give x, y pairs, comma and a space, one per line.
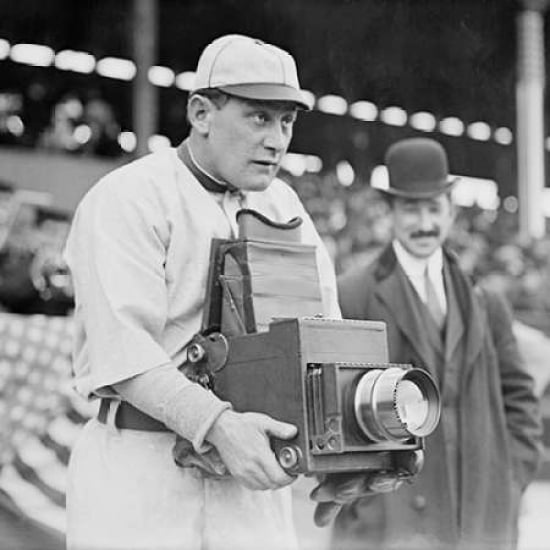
432, 301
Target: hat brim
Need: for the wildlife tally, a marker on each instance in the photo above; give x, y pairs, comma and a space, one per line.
267, 92
438, 189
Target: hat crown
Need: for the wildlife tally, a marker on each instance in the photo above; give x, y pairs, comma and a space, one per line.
236, 59
417, 167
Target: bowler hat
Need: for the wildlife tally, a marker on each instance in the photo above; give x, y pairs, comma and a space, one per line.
246, 67
417, 169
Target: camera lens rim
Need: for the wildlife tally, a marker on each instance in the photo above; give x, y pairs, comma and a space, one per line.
424, 381
377, 408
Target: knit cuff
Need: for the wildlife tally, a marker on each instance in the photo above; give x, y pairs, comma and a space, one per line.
191, 412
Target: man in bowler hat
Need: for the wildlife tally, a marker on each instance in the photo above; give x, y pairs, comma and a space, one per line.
486, 448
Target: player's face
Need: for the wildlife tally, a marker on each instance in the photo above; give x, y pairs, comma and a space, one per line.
247, 141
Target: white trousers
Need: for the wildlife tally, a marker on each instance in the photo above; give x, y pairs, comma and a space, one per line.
126, 493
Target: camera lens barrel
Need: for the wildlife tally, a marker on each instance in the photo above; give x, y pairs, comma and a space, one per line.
395, 404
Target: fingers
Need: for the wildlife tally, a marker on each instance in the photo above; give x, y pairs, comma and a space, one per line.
256, 479
214, 463
384, 483
276, 475
280, 430
242, 440
208, 462
409, 463
263, 473
325, 512
268, 471
342, 488
338, 489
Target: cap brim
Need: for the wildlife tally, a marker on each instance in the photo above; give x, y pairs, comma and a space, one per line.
267, 92
418, 194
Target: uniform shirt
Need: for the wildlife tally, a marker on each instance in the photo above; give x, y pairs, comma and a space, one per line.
230, 203
415, 268
139, 251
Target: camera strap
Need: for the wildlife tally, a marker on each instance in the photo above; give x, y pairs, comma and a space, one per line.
265, 273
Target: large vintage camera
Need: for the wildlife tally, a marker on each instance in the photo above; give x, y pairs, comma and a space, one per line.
329, 377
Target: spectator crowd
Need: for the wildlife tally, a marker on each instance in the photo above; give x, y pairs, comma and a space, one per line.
352, 221
73, 123
354, 224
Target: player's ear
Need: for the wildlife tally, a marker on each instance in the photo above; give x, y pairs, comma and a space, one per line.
199, 113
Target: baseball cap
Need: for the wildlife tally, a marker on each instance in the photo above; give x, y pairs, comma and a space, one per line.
246, 67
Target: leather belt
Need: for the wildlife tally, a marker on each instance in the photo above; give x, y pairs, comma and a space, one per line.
129, 418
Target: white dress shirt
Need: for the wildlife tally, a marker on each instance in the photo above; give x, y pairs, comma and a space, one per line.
415, 268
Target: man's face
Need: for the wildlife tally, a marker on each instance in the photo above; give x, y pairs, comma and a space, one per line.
422, 225
247, 141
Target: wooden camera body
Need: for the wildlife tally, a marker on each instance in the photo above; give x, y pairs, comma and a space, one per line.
265, 347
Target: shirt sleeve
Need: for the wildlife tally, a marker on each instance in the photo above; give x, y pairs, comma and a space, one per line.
167, 395
116, 255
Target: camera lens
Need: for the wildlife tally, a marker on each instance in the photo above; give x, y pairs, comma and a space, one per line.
412, 405
394, 404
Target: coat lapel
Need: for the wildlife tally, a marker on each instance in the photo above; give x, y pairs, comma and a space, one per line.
393, 290
474, 319
465, 321
454, 330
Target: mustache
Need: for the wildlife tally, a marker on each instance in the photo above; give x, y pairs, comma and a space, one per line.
431, 233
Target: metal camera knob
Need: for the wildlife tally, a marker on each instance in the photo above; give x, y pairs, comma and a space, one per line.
195, 353
289, 457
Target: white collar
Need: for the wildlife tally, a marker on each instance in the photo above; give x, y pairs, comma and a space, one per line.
415, 267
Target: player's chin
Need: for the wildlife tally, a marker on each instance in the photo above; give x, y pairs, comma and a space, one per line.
257, 182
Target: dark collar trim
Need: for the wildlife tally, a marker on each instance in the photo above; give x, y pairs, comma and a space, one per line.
204, 179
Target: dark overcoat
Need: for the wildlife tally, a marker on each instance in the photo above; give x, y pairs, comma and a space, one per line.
487, 445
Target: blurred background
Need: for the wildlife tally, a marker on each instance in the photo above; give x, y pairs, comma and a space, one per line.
86, 86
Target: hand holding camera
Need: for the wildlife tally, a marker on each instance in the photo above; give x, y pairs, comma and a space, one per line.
340, 489
241, 450
242, 441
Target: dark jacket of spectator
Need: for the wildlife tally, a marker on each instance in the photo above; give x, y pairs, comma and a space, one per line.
489, 422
